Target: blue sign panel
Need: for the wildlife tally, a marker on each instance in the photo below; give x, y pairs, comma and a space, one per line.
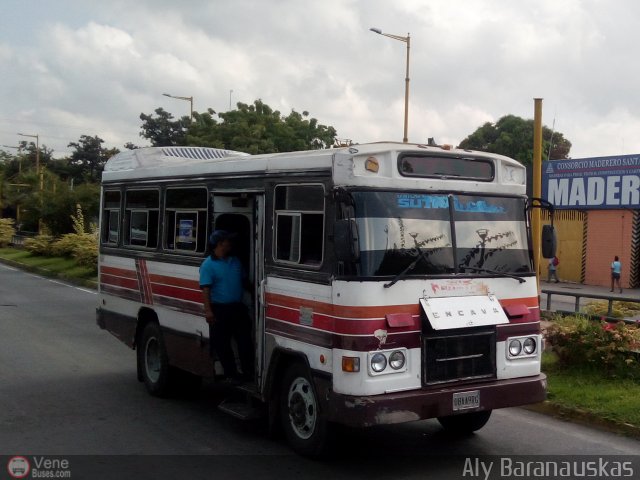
593, 183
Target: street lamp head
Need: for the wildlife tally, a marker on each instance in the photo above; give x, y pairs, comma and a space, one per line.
376, 30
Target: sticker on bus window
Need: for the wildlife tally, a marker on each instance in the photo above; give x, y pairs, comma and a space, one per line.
185, 231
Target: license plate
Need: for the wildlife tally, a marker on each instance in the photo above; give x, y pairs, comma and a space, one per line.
465, 400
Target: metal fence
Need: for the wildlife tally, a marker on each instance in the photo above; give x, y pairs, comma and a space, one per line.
18, 239
597, 296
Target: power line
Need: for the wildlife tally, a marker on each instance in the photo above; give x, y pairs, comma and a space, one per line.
55, 125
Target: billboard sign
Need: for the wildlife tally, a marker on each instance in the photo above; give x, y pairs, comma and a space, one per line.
593, 183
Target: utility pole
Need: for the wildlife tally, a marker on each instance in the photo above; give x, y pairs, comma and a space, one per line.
536, 227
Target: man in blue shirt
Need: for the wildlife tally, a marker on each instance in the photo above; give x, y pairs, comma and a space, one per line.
221, 281
616, 270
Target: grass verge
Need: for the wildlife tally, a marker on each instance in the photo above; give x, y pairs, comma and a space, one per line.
57, 267
587, 395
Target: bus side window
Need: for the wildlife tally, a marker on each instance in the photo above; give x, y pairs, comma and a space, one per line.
111, 217
185, 221
299, 221
141, 218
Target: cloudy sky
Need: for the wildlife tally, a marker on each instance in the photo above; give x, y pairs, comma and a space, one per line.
74, 67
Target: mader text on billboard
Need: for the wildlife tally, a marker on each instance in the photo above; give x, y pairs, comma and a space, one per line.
593, 183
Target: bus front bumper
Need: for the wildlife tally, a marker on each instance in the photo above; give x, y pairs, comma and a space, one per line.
433, 402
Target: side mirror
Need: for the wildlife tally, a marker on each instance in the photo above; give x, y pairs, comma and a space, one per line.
549, 241
345, 240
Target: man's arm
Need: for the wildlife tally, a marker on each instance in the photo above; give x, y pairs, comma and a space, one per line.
208, 310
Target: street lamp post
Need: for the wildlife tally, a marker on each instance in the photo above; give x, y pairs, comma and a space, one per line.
39, 172
230, 92
406, 40
37, 137
188, 99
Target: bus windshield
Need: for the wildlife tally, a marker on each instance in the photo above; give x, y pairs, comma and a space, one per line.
451, 233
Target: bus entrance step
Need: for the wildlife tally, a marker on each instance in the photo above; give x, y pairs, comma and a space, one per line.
243, 410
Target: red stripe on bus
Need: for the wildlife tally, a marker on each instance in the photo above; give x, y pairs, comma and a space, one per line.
119, 272
174, 281
348, 326
147, 282
348, 311
177, 293
119, 281
372, 312
358, 343
121, 292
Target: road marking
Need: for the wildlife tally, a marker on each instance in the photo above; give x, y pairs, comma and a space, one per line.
67, 285
86, 290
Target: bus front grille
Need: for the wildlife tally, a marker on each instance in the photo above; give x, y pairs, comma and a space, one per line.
456, 355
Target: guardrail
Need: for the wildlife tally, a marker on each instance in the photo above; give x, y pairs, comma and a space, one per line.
19, 238
596, 296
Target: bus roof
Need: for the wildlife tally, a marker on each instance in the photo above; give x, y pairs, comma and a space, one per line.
346, 163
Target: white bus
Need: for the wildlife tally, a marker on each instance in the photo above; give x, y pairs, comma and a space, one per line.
390, 282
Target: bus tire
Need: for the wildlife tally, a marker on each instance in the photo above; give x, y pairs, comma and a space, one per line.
465, 423
153, 361
304, 424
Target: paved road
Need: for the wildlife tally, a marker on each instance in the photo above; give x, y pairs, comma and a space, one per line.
68, 388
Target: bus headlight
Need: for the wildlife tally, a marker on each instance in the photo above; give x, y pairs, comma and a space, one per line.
378, 362
529, 346
515, 347
522, 347
397, 360
381, 360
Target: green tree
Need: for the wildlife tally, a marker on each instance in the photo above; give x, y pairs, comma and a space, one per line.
61, 205
513, 136
25, 158
27, 153
20, 194
204, 131
254, 128
89, 158
162, 130
257, 128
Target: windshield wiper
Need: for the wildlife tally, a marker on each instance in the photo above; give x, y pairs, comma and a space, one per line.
502, 274
409, 267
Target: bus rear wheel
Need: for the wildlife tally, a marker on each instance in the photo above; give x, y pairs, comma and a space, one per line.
304, 424
465, 423
153, 362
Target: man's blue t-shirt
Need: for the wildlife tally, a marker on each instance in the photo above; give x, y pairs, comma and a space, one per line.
224, 276
616, 266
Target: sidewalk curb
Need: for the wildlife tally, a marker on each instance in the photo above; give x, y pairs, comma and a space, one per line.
86, 283
584, 417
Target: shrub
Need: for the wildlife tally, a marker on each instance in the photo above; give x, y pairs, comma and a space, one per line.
65, 245
612, 348
7, 231
618, 310
86, 250
82, 246
39, 245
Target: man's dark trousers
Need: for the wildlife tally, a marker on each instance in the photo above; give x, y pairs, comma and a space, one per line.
232, 321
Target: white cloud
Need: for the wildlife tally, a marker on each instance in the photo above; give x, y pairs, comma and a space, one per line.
471, 62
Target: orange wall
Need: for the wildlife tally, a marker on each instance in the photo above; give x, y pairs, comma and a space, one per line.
608, 234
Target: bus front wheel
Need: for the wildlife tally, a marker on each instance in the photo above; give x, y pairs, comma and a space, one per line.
465, 423
153, 362
304, 424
